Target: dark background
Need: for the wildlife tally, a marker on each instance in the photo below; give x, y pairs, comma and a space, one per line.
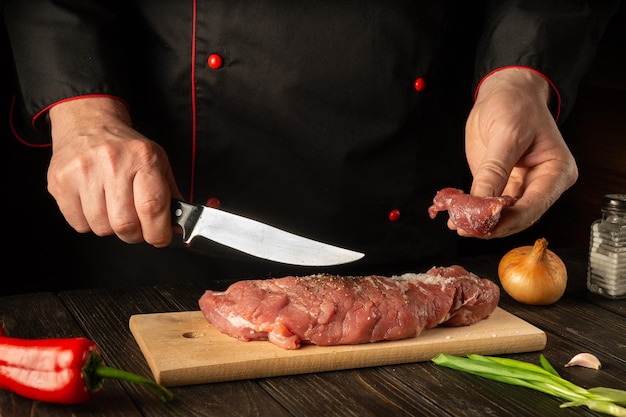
38, 245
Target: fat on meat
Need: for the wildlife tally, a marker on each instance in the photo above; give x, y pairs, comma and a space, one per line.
477, 216
331, 310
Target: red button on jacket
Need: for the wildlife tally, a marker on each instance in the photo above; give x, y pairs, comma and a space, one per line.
419, 84
214, 61
213, 202
394, 215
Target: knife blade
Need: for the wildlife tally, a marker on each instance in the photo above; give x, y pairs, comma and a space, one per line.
255, 238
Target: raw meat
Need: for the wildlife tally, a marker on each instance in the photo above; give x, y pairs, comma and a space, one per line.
332, 310
477, 216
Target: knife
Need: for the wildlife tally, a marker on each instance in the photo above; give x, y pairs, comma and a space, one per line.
255, 238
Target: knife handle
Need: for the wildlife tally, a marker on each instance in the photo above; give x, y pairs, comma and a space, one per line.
185, 215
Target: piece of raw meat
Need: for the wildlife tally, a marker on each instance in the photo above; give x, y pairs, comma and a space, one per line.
332, 310
477, 216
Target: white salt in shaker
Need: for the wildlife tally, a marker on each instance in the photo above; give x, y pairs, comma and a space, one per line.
607, 249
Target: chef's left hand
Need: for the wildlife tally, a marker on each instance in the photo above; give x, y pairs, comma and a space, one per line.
514, 147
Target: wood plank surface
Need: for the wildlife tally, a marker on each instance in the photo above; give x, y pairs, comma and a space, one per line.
104, 313
183, 348
578, 322
43, 315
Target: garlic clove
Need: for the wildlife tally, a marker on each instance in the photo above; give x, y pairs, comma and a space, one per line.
586, 360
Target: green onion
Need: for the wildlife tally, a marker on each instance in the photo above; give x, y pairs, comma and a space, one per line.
618, 395
542, 378
547, 365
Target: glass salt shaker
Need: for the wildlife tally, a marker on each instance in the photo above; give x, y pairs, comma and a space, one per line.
607, 249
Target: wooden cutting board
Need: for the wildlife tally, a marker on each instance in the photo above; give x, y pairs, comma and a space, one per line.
183, 348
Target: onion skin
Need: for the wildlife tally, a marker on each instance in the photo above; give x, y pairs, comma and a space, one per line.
533, 274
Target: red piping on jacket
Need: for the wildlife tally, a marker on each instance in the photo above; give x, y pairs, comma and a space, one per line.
193, 100
17, 135
554, 89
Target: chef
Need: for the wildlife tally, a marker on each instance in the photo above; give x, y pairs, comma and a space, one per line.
338, 121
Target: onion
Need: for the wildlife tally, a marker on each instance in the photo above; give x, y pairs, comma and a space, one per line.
533, 274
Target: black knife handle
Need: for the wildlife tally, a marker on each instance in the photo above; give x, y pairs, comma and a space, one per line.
185, 215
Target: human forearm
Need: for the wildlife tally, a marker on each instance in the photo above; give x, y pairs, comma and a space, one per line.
516, 78
87, 115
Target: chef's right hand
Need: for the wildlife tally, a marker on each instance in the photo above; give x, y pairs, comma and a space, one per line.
105, 176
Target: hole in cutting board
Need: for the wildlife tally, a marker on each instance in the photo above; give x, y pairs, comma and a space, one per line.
193, 335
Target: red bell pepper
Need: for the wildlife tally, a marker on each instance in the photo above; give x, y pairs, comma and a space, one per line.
67, 371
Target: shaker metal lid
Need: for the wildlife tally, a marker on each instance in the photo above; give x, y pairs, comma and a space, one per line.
614, 202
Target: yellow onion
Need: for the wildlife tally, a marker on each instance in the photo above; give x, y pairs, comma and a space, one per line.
533, 274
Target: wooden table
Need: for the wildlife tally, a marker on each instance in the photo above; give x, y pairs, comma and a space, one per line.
579, 322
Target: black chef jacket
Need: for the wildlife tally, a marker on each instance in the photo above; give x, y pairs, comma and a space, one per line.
335, 120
